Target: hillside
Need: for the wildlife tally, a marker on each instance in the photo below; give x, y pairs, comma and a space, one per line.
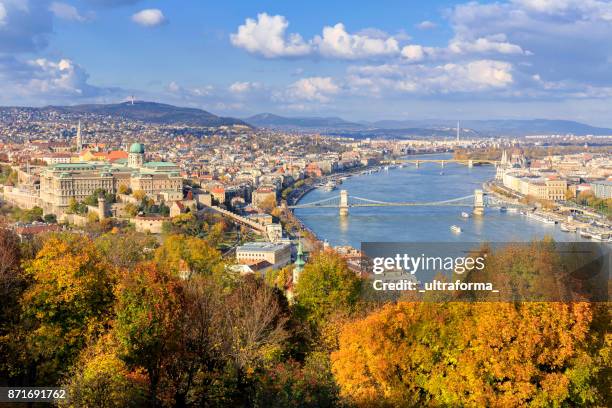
150, 112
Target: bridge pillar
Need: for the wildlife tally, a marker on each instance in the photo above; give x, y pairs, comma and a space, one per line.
470, 163
417, 163
442, 163
478, 202
344, 208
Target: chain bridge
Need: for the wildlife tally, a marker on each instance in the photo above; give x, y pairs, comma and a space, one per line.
478, 201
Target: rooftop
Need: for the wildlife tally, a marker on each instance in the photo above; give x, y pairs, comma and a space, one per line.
262, 247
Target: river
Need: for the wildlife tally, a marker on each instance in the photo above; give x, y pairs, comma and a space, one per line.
420, 224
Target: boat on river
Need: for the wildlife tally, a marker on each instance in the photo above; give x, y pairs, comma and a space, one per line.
465, 214
456, 229
329, 186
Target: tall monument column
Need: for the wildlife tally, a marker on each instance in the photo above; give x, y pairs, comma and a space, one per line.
344, 208
101, 208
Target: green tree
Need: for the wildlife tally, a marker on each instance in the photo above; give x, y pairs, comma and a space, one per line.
180, 252
327, 286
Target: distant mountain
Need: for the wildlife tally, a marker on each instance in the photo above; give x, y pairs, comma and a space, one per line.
429, 127
150, 112
270, 120
510, 127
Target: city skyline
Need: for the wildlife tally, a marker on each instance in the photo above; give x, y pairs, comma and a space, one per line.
443, 59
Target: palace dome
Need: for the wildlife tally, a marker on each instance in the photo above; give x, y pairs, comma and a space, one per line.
137, 148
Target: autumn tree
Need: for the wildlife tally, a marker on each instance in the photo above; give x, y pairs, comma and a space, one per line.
11, 278
255, 320
196, 254
101, 379
471, 354
124, 189
139, 195
148, 312
12, 284
68, 302
126, 249
327, 286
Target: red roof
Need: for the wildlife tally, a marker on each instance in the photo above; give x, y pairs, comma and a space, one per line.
116, 155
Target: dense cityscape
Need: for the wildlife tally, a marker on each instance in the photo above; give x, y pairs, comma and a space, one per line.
305, 204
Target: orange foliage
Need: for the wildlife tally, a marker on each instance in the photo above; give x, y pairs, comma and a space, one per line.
462, 354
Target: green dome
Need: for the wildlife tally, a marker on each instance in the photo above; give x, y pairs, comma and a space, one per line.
137, 148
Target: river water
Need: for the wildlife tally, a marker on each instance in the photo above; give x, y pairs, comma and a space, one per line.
427, 183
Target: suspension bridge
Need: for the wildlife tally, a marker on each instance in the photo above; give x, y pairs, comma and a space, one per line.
478, 201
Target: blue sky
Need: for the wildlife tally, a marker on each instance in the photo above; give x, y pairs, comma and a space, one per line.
355, 59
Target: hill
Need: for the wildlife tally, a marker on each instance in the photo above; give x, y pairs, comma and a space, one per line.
150, 112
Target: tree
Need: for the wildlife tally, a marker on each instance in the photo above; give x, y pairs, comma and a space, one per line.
327, 286
148, 310
50, 219
101, 379
139, 194
124, 189
68, 302
11, 278
12, 284
125, 250
471, 354
292, 385
131, 209
255, 321
195, 253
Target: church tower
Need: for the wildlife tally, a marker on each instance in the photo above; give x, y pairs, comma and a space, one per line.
299, 263
79, 140
136, 155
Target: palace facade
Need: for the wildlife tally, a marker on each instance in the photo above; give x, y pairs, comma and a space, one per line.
63, 182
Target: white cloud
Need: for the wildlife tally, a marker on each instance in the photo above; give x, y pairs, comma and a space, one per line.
173, 87
414, 52
267, 36
2, 14
194, 92
47, 81
66, 12
242, 87
426, 25
314, 89
149, 18
63, 77
337, 43
492, 44
479, 75
591, 9
564, 39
